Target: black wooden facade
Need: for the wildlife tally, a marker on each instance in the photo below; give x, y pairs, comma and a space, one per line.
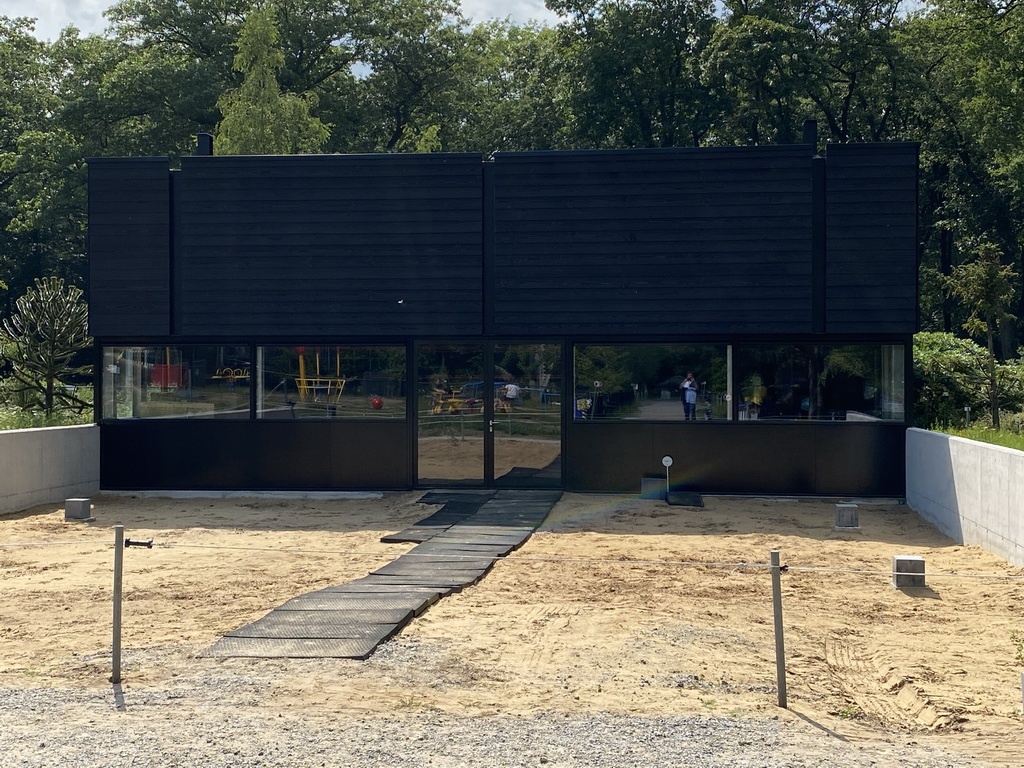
719, 245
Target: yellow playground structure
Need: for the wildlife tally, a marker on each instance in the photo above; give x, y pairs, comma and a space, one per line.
318, 387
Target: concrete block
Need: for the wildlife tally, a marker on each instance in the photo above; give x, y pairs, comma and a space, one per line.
78, 509
907, 571
652, 488
847, 517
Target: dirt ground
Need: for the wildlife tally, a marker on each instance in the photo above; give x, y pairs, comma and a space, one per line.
616, 604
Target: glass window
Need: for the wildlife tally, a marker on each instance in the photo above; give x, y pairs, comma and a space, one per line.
179, 382
664, 382
850, 382
326, 382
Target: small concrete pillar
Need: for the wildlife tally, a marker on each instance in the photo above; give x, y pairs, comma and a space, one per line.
847, 517
79, 510
652, 487
907, 571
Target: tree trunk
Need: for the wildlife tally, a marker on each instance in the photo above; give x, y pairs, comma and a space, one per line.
946, 268
993, 392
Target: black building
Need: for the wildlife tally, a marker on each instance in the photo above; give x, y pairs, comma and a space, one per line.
394, 321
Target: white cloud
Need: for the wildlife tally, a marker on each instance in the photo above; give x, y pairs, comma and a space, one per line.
87, 15
519, 11
54, 15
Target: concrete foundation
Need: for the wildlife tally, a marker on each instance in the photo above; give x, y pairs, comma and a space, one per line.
907, 571
79, 510
652, 488
847, 517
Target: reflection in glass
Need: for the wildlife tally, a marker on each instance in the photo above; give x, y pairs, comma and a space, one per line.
450, 390
186, 381
527, 415
326, 382
851, 382
643, 381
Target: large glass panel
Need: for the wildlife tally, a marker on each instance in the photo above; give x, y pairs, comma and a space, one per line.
450, 399
527, 415
646, 381
185, 381
849, 382
327, 382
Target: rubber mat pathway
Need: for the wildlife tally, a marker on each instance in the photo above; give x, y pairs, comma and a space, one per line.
455, 547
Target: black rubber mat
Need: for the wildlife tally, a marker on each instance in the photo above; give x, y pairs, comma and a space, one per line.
461, 562
684, 499
459, 547
455, 584
372, 586
269, 648
456, 546
315, 625
443, 497
445, 573
384, 611
411, 535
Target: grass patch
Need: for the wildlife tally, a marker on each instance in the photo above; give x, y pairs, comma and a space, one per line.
16, 418
983, 434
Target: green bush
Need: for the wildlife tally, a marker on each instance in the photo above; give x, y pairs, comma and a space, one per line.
950, 376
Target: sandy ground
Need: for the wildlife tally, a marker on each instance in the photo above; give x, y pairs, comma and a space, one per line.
616, 605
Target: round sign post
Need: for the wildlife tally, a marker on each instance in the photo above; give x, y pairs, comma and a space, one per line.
667, 462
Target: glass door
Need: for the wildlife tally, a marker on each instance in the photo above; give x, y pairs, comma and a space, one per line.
527, 421
489, 414
451, 405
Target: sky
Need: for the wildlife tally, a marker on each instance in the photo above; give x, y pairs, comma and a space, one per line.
87, 15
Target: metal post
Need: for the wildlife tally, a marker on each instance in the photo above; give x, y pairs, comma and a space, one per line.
780, 646
115, 676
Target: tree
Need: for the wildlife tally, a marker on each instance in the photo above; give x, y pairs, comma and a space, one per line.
639, 71
41, 341
258, 118
985, 286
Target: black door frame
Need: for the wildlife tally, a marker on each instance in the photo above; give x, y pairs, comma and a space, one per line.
487, 348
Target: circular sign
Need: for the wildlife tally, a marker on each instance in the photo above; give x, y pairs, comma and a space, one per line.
728, 398
667, 461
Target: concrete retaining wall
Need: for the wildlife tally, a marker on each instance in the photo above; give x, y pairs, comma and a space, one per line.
46, 465
973, 492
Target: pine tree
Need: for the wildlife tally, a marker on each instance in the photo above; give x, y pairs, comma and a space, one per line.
40, 341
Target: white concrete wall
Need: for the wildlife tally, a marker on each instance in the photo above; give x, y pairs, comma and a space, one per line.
973, 492
38, 466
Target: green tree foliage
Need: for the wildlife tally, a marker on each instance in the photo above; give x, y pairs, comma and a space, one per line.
40, 342
637, 65
258, 118
780, 62
951, 374
986, 288
970, 120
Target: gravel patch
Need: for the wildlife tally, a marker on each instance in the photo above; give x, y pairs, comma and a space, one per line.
221, 723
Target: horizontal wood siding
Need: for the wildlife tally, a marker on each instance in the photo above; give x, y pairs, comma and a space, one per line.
687, 242
871, 220
375, 245
129, 247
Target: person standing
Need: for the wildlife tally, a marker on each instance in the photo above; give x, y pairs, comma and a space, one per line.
688, 390
511, 394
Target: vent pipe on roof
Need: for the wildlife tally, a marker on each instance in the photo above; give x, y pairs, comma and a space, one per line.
204, 144
810, 133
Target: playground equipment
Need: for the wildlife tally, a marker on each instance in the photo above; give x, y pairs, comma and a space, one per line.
318, 387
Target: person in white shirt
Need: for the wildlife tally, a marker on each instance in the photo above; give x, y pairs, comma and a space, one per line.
511, 394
